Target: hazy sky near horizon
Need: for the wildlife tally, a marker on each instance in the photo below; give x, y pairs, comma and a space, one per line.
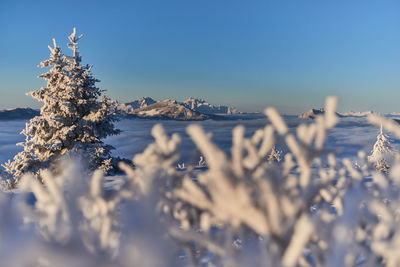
249, 54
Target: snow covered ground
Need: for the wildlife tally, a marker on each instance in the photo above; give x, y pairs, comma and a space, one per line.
347, 138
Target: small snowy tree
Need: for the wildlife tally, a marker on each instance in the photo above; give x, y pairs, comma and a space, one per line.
382, 153
275, 155
72, 118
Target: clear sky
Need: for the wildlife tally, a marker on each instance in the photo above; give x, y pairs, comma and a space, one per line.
249, 54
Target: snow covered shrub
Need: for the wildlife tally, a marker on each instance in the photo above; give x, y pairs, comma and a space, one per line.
309, 210
367, 231
66, 207
75, 220
245, 200
253, 201
382, 153
72, 117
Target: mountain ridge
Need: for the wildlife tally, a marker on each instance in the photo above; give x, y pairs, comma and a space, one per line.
312, 113
18, 113
190, 109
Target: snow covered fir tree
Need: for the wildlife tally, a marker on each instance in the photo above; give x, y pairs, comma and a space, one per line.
275, 155
74, 118
382, 153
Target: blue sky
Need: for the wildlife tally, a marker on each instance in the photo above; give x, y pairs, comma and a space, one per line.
249, 54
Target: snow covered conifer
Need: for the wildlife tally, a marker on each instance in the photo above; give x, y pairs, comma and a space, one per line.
275, 155
72, 118
382, 153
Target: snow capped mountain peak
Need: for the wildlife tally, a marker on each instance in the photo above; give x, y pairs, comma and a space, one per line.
200, 105
312, 113
168, 109
190, 109
141, 102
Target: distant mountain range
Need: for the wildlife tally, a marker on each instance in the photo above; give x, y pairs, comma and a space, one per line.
18, 113
167, 109
190, 109
312, 113
202, 106
146, 107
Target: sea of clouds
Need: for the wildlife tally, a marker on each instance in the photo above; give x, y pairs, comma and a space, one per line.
346, 139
